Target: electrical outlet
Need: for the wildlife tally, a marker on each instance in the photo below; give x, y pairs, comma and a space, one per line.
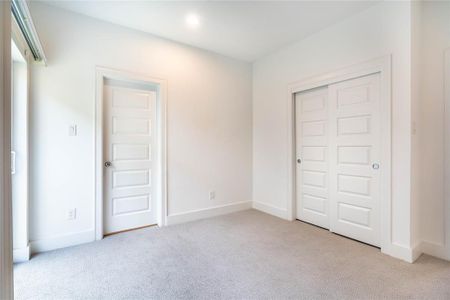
72, 214
212, 195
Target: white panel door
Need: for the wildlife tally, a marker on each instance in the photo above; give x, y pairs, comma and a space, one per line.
354, 109
129, 115
312, 165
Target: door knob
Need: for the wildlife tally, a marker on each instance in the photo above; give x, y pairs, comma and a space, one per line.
375, 166
108, 164
299, 161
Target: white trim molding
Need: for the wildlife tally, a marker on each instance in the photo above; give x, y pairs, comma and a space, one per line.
6, 241
161, 86
62, 241
21, 254
383, 67
434, 249
271, 210
404, 252
443, 251
204, 213
417, 251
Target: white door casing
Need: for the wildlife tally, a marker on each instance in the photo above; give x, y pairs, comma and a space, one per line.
129, 120
312, 163
6, 262
355, 142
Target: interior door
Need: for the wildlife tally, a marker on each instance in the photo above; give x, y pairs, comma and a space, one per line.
354, 109
312, 169
129, 116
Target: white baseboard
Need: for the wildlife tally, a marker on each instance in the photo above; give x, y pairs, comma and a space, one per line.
402, 252
430, 248
62, 241
433, 249
412, 254
207, 212
271, 210
21, 254
417, 251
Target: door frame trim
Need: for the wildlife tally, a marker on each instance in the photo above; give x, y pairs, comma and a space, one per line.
6, 238
383, 67
102, 74
446, 254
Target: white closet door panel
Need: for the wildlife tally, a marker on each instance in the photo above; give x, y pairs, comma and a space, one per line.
312, 149
354, 110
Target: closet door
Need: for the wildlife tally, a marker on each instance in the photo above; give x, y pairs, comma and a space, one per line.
312, 156
354, 110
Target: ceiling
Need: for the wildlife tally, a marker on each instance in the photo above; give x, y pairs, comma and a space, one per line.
245, 30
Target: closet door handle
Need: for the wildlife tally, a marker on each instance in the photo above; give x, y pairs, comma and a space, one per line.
299, 161
375, 166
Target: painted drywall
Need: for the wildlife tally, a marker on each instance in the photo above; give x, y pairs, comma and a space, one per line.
435, 40
209, 122
378, 31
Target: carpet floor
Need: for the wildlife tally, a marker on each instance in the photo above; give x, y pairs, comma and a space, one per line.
245, 255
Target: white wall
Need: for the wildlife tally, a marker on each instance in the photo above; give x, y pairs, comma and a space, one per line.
381, 30
209, 121
435, 39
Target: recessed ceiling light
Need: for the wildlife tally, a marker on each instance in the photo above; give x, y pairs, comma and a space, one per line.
192, 21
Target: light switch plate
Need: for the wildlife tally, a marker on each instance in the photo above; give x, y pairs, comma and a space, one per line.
72, 130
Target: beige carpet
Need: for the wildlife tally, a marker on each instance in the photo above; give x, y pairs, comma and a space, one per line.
246, 255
